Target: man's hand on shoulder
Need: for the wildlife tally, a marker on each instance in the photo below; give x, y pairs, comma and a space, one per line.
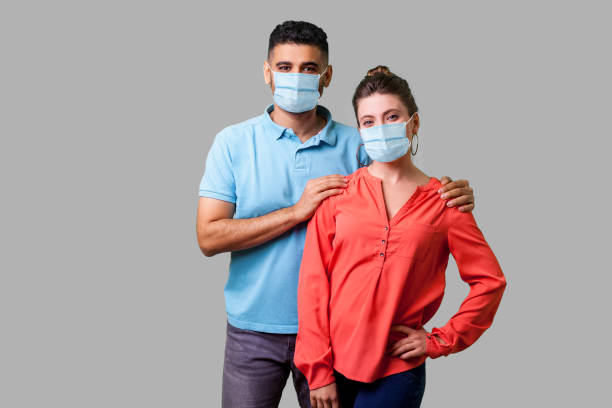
317, 190
457, 193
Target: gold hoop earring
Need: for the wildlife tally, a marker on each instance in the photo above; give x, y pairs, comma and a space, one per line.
412, 151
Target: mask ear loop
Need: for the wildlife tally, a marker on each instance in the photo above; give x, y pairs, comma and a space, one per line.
357, 155
324, 71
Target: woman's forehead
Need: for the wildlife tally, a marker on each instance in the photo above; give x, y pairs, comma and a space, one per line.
377, 104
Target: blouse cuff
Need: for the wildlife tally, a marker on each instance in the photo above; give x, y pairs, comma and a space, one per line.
322, 379
433, 347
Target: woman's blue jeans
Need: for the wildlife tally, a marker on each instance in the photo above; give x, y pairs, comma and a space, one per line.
403, 390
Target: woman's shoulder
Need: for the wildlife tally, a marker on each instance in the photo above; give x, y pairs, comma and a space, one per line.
449, 217
430, 201
429, 187
351, 180
433, 183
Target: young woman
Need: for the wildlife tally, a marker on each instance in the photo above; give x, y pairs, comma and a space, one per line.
372, 273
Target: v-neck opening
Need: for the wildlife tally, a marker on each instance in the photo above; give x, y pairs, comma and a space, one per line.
406, 204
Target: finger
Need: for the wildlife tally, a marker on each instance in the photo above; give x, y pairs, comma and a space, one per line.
462, 200
405, 348
411, 354
458, 192
454, 184
402, 328
462, 183
401, 343
445, 180
327, 403
335, 403
467, 208
334, 184
450, 186
318, 183
313, 402
331, 177
330, 184
397, 344
322, 196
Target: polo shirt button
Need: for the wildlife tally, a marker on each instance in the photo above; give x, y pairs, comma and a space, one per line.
381, 254
383, 241
386, 228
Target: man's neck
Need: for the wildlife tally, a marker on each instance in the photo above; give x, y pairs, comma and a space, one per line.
305, 125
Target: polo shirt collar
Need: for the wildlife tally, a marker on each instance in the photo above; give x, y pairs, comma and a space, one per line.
325, 135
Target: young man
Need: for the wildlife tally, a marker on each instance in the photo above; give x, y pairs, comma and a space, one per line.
264, 179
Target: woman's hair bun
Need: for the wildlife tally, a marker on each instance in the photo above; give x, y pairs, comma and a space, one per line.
381, 69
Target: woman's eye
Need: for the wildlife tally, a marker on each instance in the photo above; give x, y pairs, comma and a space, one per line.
367, 123
392, 117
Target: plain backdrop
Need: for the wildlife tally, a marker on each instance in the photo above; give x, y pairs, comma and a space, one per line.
107, 111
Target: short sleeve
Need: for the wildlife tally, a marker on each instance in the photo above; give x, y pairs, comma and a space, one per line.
218, 179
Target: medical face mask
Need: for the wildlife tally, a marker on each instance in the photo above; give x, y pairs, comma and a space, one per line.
296, 92
386, 142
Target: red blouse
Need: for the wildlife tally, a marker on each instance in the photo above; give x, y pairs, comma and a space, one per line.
362, 274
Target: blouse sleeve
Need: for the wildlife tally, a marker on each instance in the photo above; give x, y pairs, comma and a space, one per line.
478, 267
313, 354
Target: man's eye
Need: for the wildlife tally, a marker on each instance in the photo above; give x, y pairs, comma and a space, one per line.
309, 69
284, 68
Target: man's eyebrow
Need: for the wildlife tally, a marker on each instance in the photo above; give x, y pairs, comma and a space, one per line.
310, 63
279, 63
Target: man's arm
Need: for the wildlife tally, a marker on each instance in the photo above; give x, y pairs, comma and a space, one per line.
218, 232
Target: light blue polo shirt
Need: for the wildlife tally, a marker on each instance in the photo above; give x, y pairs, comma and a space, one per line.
262, 167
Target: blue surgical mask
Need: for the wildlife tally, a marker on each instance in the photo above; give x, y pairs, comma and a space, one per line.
386, 142
296, 92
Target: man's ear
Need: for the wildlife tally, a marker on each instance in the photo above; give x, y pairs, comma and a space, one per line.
328, 76
267, 72
325, 79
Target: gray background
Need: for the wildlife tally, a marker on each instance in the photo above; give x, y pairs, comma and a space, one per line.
109, 108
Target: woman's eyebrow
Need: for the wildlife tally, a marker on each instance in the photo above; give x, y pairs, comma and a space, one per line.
390, 110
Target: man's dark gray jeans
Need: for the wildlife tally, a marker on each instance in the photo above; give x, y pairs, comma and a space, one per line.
256, 368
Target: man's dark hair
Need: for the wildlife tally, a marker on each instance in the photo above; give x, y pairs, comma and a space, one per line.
298, 32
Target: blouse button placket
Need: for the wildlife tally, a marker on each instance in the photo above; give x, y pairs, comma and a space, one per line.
384, 241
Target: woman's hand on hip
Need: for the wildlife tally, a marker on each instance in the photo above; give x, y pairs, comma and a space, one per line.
411, 346
325, 397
